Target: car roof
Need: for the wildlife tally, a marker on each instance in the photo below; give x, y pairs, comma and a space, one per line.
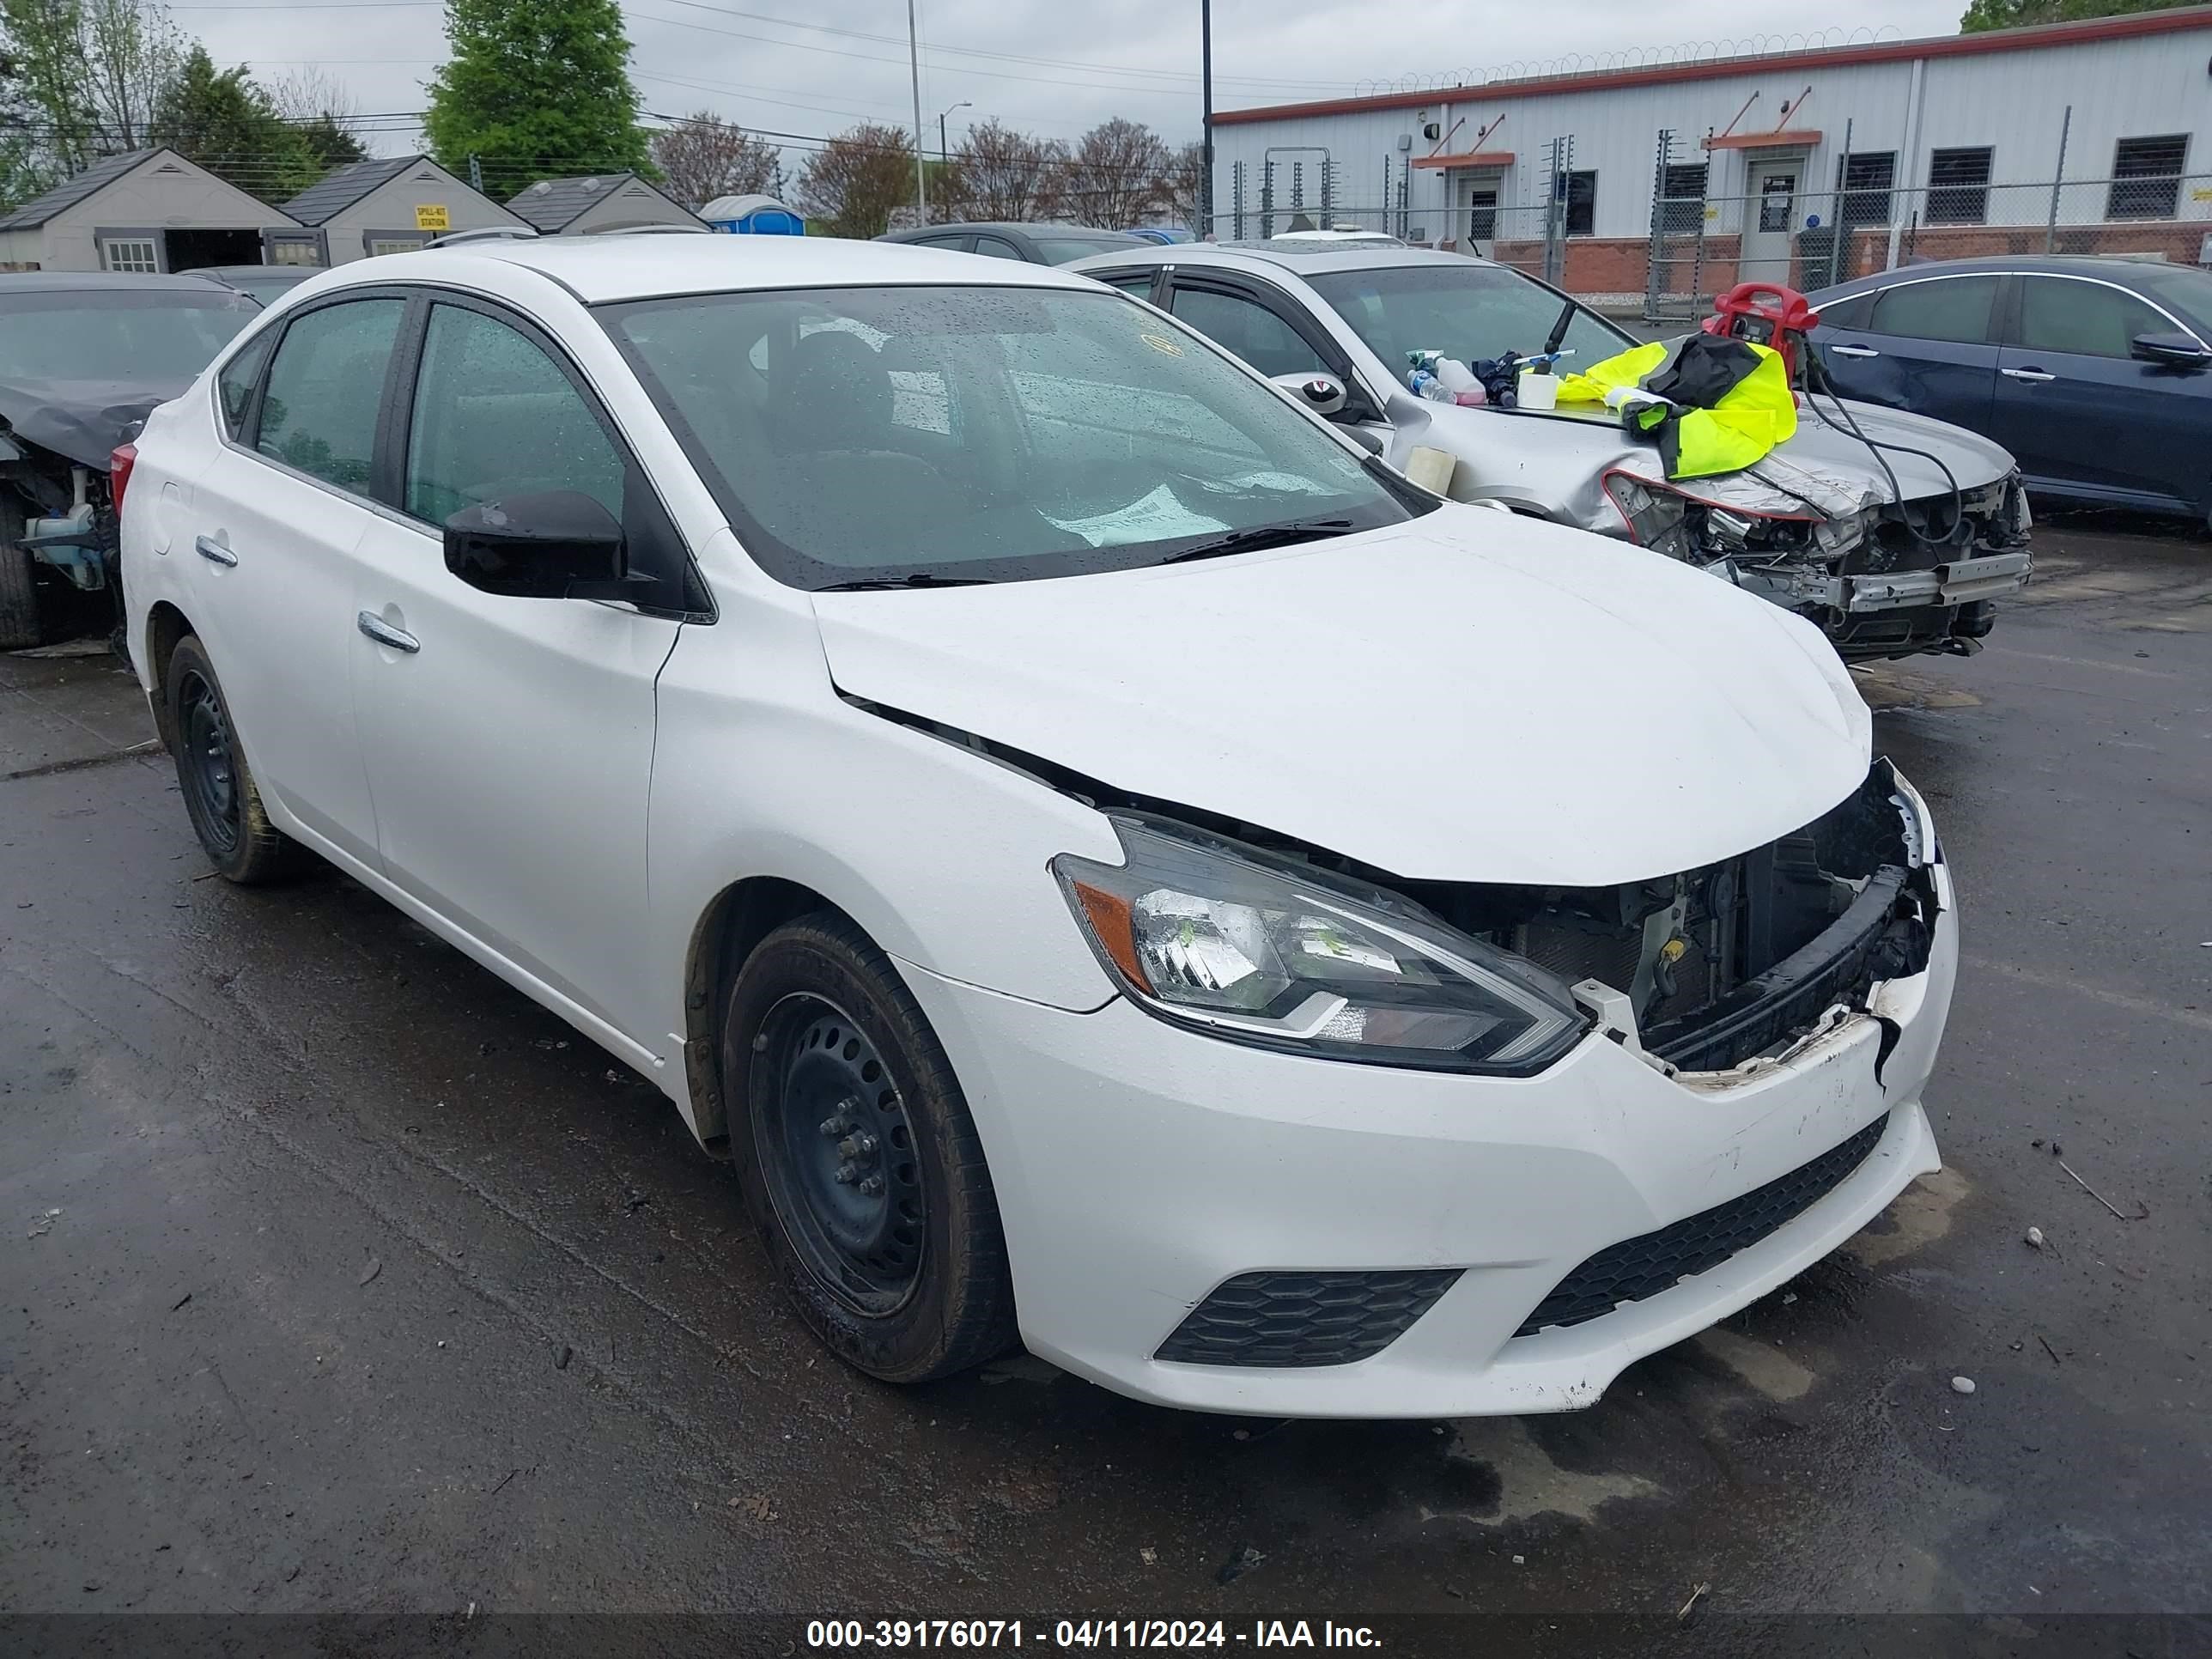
103, 282
598, 269
1305, 258
2055, 264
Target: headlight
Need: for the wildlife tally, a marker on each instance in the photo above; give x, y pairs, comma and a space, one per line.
1202, 931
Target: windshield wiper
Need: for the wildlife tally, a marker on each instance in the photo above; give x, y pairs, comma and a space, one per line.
1265, 535
912, 579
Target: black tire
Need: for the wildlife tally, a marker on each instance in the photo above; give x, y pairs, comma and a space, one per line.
220, 795
22, 623
823, 1045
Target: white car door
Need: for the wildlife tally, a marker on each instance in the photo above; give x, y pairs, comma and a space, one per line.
275, 522
509, 740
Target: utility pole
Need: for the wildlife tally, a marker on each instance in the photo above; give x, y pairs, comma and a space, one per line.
913, 62
1205, 79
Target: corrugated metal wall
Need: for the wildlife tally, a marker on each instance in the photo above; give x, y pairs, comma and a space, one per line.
2011, 101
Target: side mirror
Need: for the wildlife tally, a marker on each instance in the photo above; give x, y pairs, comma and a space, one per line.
558, 544
2172, 350
1324, 394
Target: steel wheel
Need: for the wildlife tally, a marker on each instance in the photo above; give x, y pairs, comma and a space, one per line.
209, 762
839, 1157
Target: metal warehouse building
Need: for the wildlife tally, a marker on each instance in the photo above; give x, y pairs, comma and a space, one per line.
1674, 180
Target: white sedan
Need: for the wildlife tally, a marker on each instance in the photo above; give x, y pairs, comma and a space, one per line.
1111, 863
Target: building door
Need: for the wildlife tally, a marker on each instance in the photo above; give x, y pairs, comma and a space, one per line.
1772, 213
1475, 223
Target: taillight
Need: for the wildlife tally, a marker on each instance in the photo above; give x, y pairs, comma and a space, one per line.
119, 474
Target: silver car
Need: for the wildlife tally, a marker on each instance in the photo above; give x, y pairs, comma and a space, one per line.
1895, 533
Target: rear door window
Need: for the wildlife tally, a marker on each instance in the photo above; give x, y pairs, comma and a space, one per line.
998, 247
325, 386
1955, 309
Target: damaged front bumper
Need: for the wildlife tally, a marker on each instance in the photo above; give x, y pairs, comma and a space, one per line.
1880, 578
1212, 1226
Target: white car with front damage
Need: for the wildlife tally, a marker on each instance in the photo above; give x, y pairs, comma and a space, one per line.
1895, 533
1112, 865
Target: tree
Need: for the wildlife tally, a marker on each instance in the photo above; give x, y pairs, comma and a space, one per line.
2011, 13
83, 77
1183, 186
224, 120
1008, 174
850, 186
536, 89
704, 156
317, 107
1112, 179
133, 54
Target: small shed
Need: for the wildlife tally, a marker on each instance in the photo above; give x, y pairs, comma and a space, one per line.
604, 201
753, 215
389, 204
143, 210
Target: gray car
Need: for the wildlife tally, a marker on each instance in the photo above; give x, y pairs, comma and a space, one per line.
1896, 537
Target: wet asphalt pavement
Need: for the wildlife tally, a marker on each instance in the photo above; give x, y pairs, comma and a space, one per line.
336, 1277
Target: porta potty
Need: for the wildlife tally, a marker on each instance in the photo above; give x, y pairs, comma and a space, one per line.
753, 215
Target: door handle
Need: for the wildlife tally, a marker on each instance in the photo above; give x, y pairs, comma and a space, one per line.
215, 552
2035, 374
1855, 351
385, 634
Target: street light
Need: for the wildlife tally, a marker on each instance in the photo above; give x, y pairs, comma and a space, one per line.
943, 155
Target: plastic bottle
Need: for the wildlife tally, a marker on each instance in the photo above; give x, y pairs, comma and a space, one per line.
1454, 374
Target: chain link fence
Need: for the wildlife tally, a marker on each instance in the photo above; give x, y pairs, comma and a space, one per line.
1808, 239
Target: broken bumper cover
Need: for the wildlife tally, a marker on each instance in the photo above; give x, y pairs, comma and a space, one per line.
1380, 1241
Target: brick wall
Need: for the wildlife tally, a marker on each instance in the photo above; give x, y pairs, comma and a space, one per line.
2181, 241
1622, 264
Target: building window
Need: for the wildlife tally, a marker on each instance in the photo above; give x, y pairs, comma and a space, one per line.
1682, 199
2146, 178
1866, 182
1482, 214
295, 250
391, 242
133, 254
1579, 191
1959, 186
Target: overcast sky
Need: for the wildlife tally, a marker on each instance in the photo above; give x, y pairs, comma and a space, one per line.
1053, 66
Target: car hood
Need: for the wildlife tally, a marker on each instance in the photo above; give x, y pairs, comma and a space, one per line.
1471, 696
81, 421
1560, 459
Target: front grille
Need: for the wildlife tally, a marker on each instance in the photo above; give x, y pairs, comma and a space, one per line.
1284, 1319
1642, 1266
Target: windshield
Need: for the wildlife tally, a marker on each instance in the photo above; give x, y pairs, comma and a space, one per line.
148, 339
979, 433
1464, 310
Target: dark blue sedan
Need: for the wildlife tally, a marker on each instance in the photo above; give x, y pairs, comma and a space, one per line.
2095, 373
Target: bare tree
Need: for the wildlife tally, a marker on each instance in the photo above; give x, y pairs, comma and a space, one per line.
704, 156
1112, 179
1008, 174
852, 184
1183, 186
